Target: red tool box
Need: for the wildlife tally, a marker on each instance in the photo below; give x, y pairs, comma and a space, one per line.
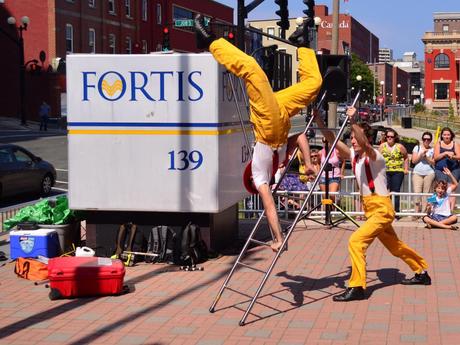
85, 276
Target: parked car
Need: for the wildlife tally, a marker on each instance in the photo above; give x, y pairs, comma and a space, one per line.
364, 114
22, 172
342, 112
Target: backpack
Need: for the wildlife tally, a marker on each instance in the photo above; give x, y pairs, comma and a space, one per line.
193, 248
130, 239
31, 269
162, 241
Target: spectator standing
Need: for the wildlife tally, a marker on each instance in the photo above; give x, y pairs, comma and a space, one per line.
423, 173
447, 155
335, 174
397, 163
44, 114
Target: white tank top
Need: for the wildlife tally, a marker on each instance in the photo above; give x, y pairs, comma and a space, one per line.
378, 173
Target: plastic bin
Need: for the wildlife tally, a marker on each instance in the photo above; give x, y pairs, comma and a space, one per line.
406, 122
67, 233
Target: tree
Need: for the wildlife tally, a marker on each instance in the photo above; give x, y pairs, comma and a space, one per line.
358, 67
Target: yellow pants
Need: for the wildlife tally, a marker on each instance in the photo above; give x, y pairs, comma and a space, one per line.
380, 214
270, 111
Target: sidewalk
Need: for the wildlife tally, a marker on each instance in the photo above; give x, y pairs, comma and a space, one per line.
13, 125
170, 306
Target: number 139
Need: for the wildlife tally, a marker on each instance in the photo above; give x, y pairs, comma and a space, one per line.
183, 160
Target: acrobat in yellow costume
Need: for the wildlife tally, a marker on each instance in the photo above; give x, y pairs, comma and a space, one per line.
270, 111
380, 215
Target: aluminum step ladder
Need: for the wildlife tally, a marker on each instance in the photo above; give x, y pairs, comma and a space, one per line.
291, 225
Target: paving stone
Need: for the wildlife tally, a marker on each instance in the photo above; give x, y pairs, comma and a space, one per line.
58, 336
453, 310
210, 342
89, 316
342, 316
450, 328
379, 307
411, 300
412, 338
133, 340
376, 326
301, 324
415, 317
334, 336
158, 319
258, 333
183, 330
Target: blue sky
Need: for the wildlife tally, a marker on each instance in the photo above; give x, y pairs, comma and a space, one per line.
399, 24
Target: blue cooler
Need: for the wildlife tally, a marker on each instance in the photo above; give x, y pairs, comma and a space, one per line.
32, 243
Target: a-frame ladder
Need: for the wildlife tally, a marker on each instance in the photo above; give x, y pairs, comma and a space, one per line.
300, 215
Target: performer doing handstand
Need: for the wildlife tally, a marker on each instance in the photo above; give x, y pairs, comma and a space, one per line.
270, 111
369, 168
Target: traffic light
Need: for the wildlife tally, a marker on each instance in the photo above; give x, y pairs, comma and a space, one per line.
229, 35
283, 12
166, 43
310, 11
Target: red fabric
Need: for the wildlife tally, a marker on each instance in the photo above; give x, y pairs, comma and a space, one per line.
367, 168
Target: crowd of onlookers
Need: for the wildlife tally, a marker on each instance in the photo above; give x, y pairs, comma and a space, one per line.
435, 169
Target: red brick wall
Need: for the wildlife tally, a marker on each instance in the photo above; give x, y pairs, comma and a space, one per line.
439, 74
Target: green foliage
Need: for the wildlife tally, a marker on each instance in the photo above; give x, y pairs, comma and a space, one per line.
419, 108
451, 112
358, 67
408, 140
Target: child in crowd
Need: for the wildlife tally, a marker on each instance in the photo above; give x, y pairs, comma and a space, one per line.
439, 208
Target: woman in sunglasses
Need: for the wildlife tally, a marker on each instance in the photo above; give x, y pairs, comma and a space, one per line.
447, 155
423, 173
397, 163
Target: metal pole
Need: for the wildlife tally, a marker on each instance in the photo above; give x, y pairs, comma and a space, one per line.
22, 80
332, 114
240, 25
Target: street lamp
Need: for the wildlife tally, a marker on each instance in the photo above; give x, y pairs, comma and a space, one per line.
22, 92
317, 21
382, 90
397, 91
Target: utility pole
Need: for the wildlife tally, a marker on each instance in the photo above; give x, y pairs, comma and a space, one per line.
332, 113
242, 15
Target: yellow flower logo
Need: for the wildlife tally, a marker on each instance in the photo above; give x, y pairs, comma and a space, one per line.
111, 89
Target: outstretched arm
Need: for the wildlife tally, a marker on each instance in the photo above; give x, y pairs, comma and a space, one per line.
343, 149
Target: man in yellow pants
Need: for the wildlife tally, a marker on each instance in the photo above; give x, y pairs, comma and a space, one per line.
270, 111
369, 168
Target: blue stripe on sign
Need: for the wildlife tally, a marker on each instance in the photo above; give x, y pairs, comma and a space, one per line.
154, 124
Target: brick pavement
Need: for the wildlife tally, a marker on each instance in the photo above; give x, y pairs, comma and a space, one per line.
170, 306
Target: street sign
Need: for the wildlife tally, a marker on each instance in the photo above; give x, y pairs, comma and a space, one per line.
180, 23
380, 99
183, 23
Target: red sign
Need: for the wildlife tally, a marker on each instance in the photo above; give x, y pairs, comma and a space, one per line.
380, 99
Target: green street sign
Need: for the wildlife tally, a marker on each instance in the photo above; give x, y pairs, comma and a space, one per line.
181, 23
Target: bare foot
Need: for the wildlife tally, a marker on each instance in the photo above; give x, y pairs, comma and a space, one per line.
276, 245
454, 227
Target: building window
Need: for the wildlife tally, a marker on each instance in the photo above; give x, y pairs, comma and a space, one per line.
69, 38
441, 61
445, 28
112, 44
441, 91
92, 3
128, 43
92, 40
112, 6
128, 8
270, 31
159, 20
144, 10
145, 48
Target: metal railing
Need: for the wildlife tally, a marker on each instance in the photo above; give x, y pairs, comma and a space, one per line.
348, 198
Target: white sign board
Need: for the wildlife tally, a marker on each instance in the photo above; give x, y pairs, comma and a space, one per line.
155, 132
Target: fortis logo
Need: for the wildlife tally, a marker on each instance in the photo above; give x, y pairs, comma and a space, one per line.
137, 85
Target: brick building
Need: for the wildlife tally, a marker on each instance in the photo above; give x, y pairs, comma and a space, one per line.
442, 62
61, 27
